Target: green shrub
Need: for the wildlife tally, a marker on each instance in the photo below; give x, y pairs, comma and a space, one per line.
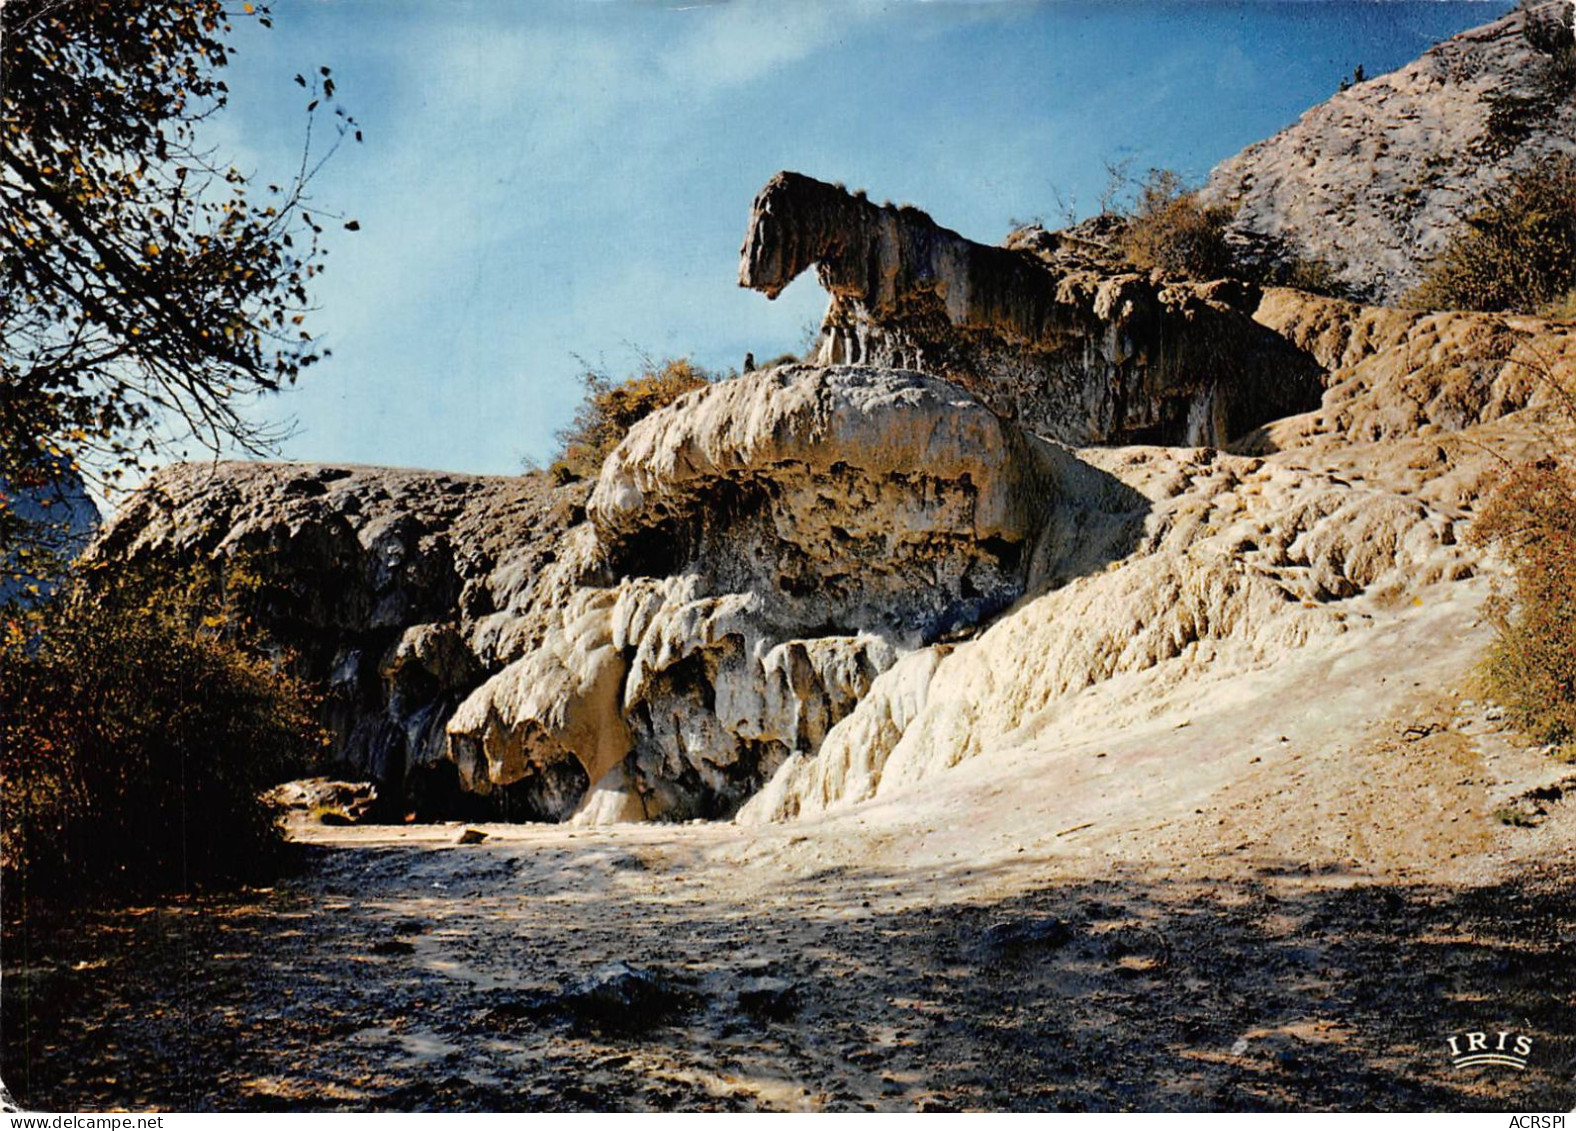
1531, 516
1515, 818
1169, 229
1516, 252
1531, 667
611, 408
135, 734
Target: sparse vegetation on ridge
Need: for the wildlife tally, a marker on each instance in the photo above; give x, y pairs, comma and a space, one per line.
1170, 228
611, 408
1514, 115
1551, 33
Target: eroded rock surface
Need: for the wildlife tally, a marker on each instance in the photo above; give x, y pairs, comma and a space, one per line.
774, 543
875, 500
778, 581
755, 557
1404, 375
1333, 525
1018, 494
1082, 356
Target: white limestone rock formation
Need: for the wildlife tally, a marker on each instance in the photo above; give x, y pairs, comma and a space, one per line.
849, 766
872, 500
1403, 374
774, 543
395, 591
1081, 356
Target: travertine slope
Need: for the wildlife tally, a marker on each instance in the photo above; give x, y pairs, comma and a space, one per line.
1337, 525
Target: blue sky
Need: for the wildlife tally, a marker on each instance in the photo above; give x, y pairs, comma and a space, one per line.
543, 182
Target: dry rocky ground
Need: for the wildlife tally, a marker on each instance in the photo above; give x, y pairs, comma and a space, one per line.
1304, 936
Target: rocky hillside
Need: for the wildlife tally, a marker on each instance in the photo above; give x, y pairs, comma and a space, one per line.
1375, 180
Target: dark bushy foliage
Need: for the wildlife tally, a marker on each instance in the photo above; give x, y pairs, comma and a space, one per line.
1551, 33
1517, 252
1514, 115
135, 734
611, 408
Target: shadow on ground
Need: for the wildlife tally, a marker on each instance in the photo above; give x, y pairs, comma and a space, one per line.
366, 984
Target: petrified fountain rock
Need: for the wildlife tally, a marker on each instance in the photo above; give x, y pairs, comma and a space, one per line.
776, 579
874, 500
782, 579
1080, 356
756, 556
1339, 523
1238, 562
777, 541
